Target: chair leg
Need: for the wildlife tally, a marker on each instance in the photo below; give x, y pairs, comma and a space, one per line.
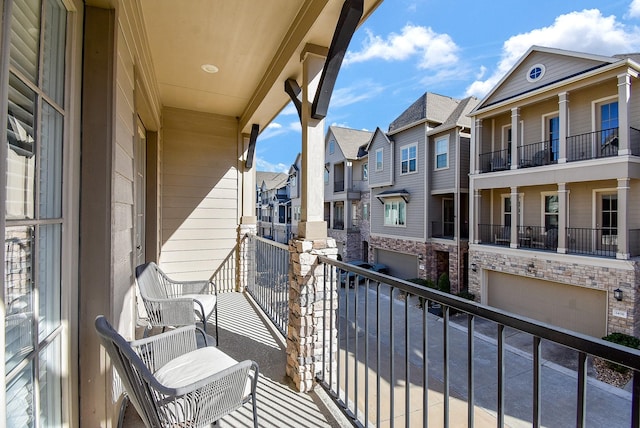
217, 336
255, 411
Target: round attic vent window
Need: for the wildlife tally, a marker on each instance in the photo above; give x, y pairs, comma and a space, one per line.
535, 73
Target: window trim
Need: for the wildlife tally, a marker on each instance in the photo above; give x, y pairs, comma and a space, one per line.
407, 148
381, 163
397, 202
365, 171
543, 208
445, 139
332, 147
542, 68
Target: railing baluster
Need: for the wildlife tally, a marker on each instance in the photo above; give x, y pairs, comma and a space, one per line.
471, 322
407, 408
581, 405
635, 400
346, 346
331, 320
445, 362
425, 364
392, 377
366, 353
501, 375
356, 287
378, 331
537, 354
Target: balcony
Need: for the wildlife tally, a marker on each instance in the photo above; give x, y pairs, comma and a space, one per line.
338, 186
528, 237
443, 230
479, 367
580, 147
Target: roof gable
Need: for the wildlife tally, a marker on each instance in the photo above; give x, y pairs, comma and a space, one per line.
431, 107
350, 140
558, 65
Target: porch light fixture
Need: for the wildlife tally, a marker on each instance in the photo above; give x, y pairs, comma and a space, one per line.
474, 267
617, 293
209, 68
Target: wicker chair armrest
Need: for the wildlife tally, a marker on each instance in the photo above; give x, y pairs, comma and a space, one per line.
176, 311
194, 287
207, 400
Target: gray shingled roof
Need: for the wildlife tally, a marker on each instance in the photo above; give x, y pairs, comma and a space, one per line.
273, 180
459, 116
350, 140
430, 106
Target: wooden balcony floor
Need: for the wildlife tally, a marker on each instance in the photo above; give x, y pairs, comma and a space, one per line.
245, 334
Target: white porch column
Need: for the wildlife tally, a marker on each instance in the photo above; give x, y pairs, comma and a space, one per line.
624, 95
515, 137
563, 118
623, 214
248, 219
476, 147
563, 215
312, 297
515, 214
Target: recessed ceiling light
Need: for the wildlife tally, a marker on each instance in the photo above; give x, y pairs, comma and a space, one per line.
209, 68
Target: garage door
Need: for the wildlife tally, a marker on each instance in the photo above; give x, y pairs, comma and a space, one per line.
404, 266
577, 308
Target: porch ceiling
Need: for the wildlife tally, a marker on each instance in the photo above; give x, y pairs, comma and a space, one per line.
256, 46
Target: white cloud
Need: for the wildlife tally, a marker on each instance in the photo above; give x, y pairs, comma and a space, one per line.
584, 31
361, 91
433, 49
263, 165
634, 9
289, 110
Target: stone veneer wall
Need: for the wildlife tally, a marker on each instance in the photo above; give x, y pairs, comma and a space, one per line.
428, 266
589, 275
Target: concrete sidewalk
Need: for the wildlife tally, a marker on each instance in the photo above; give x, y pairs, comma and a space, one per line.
606, 405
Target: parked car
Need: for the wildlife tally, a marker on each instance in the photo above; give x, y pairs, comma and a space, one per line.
376, 267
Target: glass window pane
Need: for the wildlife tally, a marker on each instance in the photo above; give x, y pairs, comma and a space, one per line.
18, 291
54, 42
21, 159
49, 282
20, 399
25, 37
51, 163
50, 385
401, 213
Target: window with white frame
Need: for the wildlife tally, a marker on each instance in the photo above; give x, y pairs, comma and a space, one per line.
332, 147
550, 210
365, 171
442, 153
365, 211
326, 173
395, 212
408, 158
379, 160
354, 214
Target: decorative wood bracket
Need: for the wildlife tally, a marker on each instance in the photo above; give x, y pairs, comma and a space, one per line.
347, 23
251, 150
350, 17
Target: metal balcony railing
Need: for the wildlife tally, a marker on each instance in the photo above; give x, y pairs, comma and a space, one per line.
592, 242
499, 160
268, 279
444, 230
338, 186
592, 145
538, 154
388, 354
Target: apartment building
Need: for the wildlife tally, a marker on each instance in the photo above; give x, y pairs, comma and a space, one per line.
419, 190
273, 206
294, 193
555, 191
346, 191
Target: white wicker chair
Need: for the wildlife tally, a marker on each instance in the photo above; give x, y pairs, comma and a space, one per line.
171, 382
175, 303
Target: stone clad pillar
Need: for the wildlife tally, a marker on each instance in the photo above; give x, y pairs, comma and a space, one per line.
310, 293
313, 300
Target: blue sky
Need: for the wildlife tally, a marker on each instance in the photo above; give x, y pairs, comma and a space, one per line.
456, 48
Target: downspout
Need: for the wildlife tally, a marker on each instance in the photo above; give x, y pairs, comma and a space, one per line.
456, 202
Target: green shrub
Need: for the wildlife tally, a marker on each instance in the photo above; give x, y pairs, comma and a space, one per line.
466, 295
444, 284
624, 340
